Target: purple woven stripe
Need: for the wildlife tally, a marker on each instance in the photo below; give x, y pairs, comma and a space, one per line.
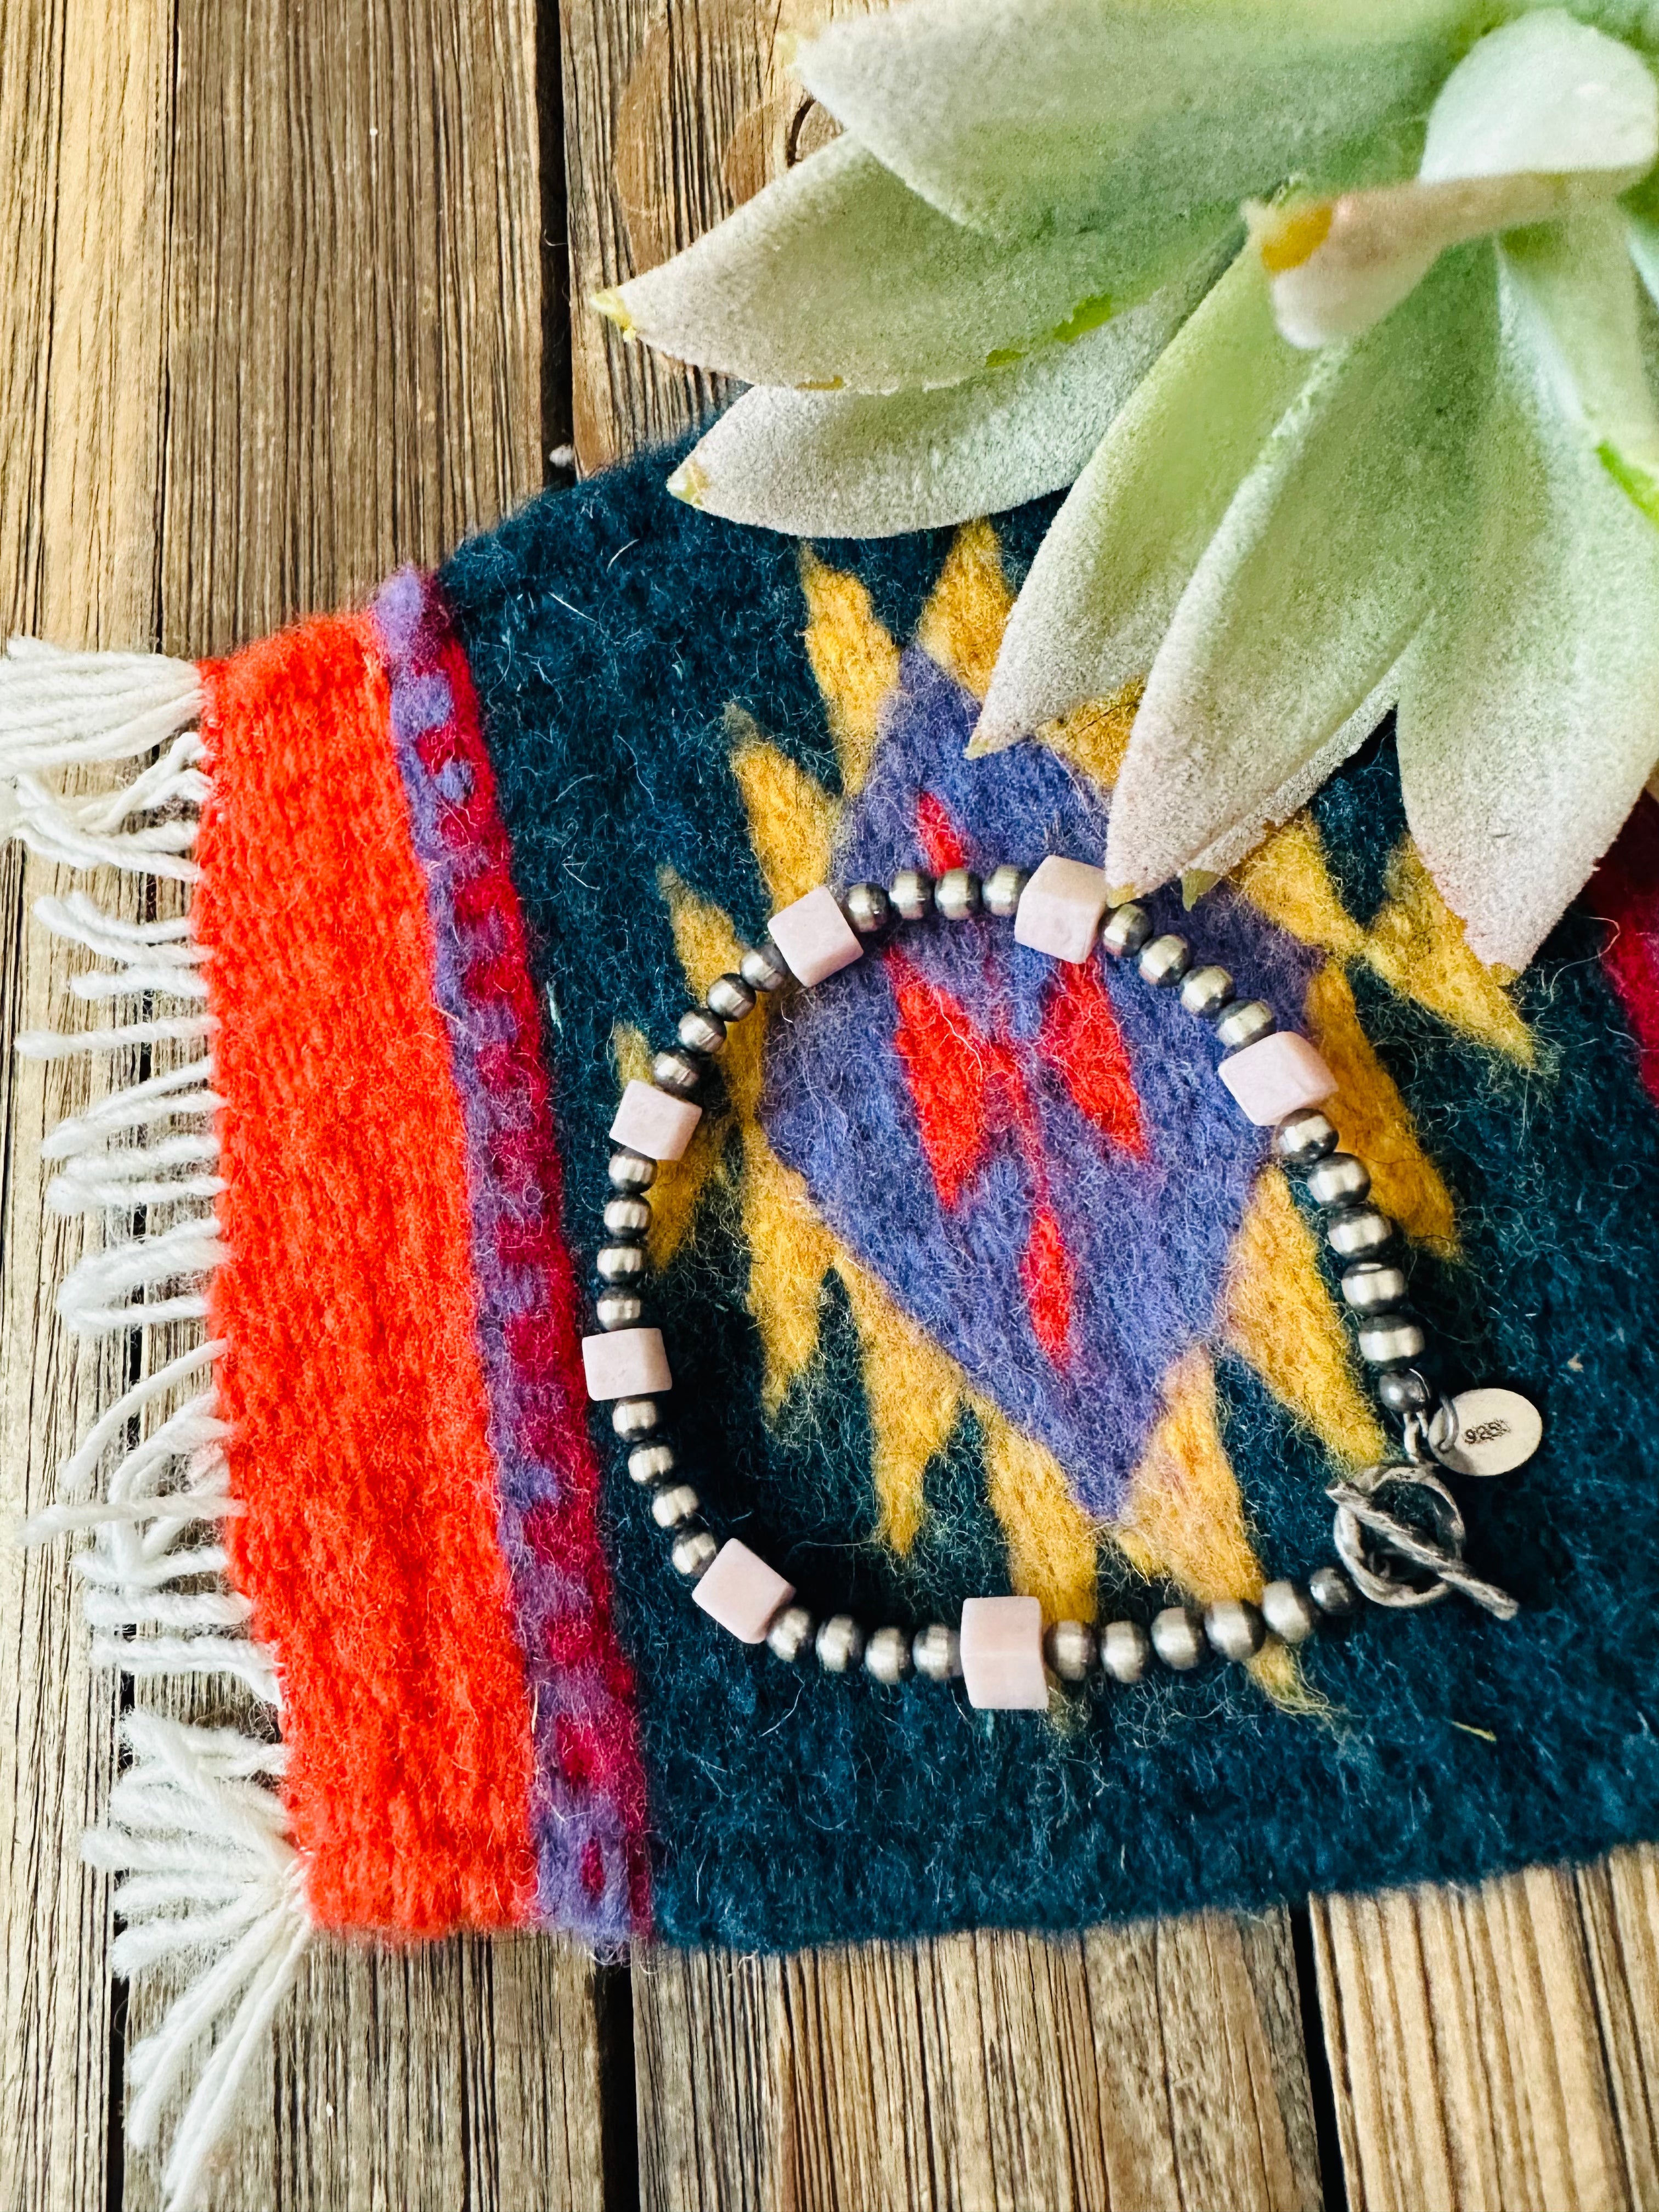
587, 1805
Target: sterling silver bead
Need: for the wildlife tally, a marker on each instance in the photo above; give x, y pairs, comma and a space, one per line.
1339, 1180
1358, 1231
1235, 1628
1206, 991
618, 1310
1070, 1649
634, 1416
1126, 929
674, 1507
937, 1652
1125, 1649
1289, 1611
730, 998
650, 1462
1372, 1286
693, 1554
912, 894
1178, 1638
868, 908
956, 894
1002, 889
839, 1644
677, 1071
790, 1634
620, 1263
1331, 1591
631, 1170
628, 1217
1165, 960
762, 967
1304, 1137
1404, 1392
1391, 1340
1246, 1021
887, 1655
702, 1031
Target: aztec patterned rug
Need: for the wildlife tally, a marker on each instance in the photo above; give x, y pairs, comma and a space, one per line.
971, 1279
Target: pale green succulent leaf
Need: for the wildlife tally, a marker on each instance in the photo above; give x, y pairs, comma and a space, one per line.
1305, 779
851, 465
1575, 284
1543, 119
1111, 569
1376, 245
1018, 115
838, 276
1545, 94
1529, 714
1325, 563
1641, 238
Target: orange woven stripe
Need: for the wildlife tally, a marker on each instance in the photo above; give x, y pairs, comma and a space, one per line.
368, 1544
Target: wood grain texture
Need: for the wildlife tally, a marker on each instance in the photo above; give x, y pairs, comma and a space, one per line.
83, 171
1497, 2049
354, 304
673, 117
1132, 2067
447, 2077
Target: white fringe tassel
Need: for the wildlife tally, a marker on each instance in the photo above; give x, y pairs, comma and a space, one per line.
207, 1876
197, 1834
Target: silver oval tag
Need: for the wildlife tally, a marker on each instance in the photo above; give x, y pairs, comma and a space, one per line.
1488, 1432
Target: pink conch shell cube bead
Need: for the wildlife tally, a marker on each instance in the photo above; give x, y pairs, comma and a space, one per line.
1002, 1654
1275, 1076
1059, 909
815, 937
654, 1121
628, 1363
740, 1591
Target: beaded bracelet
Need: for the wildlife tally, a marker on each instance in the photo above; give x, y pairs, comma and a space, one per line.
1398, 1533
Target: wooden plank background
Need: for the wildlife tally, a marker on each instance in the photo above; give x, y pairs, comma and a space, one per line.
285, 299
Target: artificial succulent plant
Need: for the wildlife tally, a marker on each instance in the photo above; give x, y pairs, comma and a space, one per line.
1334, 315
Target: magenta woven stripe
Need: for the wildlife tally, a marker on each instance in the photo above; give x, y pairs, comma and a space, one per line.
588, 1809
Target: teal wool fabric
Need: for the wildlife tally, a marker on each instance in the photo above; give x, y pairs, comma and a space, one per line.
622, 645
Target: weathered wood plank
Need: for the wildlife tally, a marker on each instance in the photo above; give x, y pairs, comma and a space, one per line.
623, 397
1498, 2048
1131, 2066
354, 317
673, 117
83, 176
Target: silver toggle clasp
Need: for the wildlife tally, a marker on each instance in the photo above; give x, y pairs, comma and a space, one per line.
1401, 1562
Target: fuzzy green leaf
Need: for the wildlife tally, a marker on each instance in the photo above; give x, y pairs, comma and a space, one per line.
1529, 708
1641, 238
1019, 115
1324, 566
1543, 119
1545, 94
1110, 572
838, 276
847, 465
1305, 779
1574, 283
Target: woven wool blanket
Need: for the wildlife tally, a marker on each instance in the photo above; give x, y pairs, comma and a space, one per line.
971, 1280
